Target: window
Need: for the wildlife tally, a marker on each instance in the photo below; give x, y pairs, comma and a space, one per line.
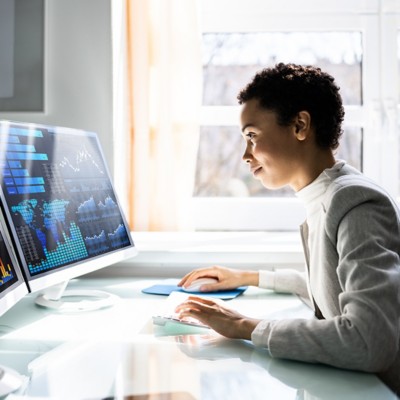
357, 43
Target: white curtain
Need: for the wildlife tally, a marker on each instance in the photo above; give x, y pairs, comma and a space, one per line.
157, 50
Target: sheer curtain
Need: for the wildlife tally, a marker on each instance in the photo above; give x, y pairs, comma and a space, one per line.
157, 98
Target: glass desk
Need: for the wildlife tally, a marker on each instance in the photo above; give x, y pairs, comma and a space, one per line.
117, 353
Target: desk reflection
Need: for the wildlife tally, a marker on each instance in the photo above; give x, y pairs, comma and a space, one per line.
311, 381
202, 366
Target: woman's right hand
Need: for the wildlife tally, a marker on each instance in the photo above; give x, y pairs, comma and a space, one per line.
227, 278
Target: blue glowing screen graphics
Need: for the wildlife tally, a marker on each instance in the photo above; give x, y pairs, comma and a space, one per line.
59, 196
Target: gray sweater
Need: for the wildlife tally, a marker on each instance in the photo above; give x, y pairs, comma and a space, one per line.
352, 247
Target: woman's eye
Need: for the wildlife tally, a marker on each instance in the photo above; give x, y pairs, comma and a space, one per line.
250, 135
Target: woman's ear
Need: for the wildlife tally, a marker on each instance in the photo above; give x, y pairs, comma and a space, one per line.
302, 124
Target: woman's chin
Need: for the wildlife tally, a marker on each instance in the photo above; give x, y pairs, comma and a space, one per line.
271, 185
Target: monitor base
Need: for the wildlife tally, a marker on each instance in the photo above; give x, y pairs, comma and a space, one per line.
73, 301
10, 380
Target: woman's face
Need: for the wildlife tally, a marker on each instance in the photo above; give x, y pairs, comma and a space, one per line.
273, 152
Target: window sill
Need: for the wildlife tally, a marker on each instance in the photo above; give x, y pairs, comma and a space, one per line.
167, 254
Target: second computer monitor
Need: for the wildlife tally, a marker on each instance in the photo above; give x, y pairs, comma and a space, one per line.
12, 284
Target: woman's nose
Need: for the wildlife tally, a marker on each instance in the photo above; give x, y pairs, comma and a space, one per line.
246, 155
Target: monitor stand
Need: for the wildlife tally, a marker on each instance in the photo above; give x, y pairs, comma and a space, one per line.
58, 298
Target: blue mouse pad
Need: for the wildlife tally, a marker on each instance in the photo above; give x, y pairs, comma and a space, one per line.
166, 290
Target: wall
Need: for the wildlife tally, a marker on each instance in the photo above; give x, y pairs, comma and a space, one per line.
78, 69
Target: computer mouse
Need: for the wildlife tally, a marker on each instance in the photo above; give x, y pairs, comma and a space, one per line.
196, 284
10, 380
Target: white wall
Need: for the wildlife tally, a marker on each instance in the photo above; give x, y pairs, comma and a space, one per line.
78, 69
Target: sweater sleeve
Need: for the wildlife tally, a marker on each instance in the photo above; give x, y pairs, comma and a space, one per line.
284, 281
365, 334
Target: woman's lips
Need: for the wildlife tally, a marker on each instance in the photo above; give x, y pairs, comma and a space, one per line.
256, 170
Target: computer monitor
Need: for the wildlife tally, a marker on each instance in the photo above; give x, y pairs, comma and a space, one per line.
12, 284
60, 206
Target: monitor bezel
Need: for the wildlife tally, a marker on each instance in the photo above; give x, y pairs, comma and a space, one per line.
36, 283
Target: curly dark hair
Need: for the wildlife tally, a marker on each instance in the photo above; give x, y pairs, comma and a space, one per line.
288, 89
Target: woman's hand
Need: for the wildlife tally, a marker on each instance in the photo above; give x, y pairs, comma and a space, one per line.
218, 316
227, 278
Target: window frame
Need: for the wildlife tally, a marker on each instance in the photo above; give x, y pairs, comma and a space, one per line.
379, 23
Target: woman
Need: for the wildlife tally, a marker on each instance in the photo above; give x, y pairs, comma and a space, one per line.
291, 121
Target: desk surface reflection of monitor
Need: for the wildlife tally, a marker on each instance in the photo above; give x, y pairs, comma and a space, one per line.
60, 207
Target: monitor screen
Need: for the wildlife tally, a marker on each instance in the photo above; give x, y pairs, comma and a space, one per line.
62, 211
12, 284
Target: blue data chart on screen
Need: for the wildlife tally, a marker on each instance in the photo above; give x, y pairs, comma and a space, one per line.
60, 197
7, 271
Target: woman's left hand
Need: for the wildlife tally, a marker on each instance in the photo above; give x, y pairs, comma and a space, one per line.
218, 316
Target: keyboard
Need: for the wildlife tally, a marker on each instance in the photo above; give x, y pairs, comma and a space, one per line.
163, 319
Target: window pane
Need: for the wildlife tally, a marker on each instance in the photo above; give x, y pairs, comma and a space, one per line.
231, 59
351, 146
221, 172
